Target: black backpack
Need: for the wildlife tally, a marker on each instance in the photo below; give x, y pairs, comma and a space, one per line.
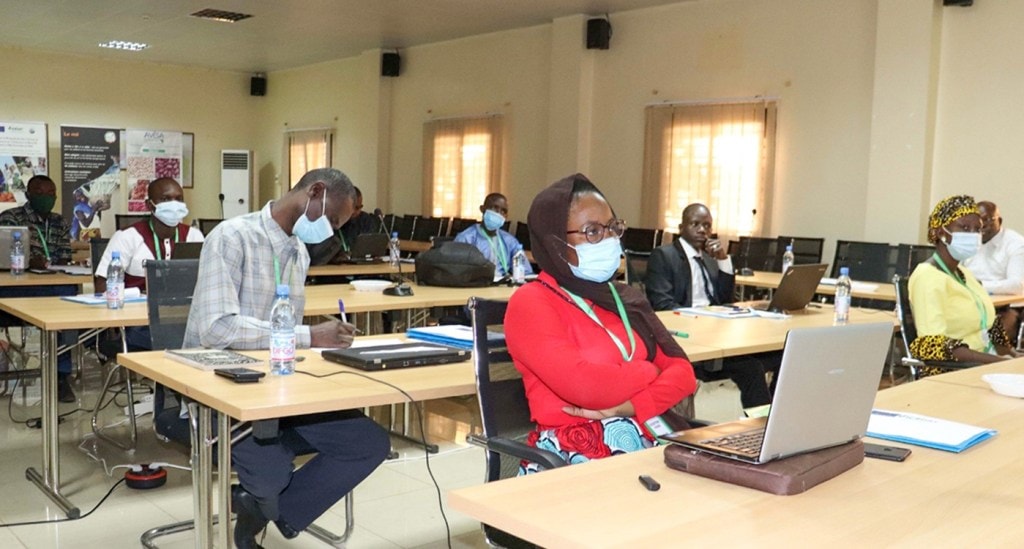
455, 264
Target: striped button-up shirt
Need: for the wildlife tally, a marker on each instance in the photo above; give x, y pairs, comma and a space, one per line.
236, 286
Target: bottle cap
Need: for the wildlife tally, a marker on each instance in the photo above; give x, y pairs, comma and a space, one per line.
789, 247
844, 271
283, 290
17, 234
115, 255
394, 234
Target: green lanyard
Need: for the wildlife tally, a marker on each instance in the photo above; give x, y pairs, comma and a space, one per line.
499, 251
344, 244
977, 301
277, 274
622, 314
46, 247
157, 245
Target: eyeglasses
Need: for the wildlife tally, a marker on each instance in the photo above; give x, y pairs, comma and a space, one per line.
595, 232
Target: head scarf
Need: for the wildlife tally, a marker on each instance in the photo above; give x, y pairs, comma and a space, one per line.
547, 220
950, 209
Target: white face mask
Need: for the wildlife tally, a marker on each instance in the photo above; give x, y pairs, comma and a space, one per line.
171, 213
313, 232
597, 262
963, 246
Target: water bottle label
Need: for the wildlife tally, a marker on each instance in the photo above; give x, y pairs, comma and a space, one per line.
18, 263
114, 293
282, 346
843, 305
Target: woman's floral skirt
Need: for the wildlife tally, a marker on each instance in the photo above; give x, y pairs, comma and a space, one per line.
589, 440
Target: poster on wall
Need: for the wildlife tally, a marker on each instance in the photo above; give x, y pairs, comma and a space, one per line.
150, 154
23, 154
89, 176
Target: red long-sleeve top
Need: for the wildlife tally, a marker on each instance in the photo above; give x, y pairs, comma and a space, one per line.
566, 358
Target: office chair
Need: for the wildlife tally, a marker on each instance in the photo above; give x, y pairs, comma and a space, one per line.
908, 332
638, 239
460, 224
805, 250
123, 221
523, 234
426, 228
169, 287
504, 412
207, 225
757, 253
636, 267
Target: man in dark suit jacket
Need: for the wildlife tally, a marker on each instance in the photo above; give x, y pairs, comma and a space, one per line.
694, 270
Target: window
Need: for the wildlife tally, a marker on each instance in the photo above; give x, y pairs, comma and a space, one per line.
721, 155
307, 150
461, 165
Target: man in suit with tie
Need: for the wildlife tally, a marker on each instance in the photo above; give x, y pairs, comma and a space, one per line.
695, 271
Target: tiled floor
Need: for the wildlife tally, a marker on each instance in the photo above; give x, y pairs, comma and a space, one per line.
397, 506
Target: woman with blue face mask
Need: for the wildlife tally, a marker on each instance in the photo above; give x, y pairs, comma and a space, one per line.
599, 368
954, 315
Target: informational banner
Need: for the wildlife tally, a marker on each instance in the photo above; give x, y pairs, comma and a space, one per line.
23, 154
150, 155
89, 176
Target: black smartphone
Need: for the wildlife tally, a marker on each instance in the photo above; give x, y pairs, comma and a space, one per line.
240, 375
891, 453
42, 271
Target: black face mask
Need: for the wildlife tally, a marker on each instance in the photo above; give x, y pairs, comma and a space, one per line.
42, 203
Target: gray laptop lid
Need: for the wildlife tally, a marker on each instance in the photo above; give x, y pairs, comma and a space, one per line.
826, 388
797, 287
398, 355
6, 237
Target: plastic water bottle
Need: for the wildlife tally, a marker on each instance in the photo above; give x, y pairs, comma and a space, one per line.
787, 258
282, 333
519, 268
843, 286
17, 255
115, 282
394, 252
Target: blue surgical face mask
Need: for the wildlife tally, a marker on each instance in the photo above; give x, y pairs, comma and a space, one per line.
313, 232
597, 262
962, 246
493, 220
171, 213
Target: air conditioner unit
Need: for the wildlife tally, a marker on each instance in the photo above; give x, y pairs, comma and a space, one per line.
238, 191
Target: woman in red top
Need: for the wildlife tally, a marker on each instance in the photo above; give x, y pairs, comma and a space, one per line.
598, 366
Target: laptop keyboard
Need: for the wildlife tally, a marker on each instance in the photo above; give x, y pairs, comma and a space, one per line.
747, 442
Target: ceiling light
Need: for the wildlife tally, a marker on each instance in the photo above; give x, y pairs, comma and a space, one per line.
122, 45
221, 15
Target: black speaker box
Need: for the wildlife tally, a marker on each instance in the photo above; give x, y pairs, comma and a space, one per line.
258, 86
961, 3
390, 64
599, 34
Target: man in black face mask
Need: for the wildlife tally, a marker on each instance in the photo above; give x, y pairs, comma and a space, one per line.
48, 243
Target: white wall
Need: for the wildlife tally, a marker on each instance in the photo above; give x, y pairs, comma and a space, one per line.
63, 89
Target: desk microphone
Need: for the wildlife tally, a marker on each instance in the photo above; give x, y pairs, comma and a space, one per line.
401, 288
380, 217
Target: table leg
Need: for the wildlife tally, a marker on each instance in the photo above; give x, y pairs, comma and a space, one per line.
200, 423
49, 481
224, 478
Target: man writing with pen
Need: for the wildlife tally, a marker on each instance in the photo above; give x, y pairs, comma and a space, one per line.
695, 271
244, 259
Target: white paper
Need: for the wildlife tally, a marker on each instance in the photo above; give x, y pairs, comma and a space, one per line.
925, 429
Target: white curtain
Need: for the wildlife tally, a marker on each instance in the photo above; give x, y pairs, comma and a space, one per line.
461, 164
307, 150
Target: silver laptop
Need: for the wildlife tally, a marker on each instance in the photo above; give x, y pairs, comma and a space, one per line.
827, 385
795, 291
6, 238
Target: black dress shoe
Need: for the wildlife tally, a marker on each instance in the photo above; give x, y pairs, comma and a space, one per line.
250, 520
64, 391
286, 530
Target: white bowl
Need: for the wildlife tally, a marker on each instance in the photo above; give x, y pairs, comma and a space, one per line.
370, 285
1006, 384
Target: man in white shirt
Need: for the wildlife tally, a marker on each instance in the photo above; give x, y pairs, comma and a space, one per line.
999, 263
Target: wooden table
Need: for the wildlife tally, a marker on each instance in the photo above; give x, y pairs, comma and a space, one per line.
934, 498
749, 335
359, 269
881, 291
59, 278
51, 315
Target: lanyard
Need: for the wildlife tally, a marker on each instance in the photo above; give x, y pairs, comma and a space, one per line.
344, 244
499, 251
622, 314
46, 247
277, 274
157, 245
977, 301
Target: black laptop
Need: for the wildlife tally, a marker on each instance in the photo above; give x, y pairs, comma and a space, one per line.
368, 248
795, 291
396, 355
187, 250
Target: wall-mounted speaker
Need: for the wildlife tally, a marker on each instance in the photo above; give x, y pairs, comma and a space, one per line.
390, 64
599, 34
258, 86
961, 3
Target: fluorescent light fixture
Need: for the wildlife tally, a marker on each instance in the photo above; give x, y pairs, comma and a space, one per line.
122, 45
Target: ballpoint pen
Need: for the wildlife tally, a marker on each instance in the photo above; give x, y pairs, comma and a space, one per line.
344, 317
680, 334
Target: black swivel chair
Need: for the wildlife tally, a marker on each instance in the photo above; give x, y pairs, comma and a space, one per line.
404, 226
757, 253
504, 412
169, 287
123, 221
97, 246
805, 250
910, 255
636, 268
207, 225
523, 234
639, 240
460, 224
908, 332
427, 228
